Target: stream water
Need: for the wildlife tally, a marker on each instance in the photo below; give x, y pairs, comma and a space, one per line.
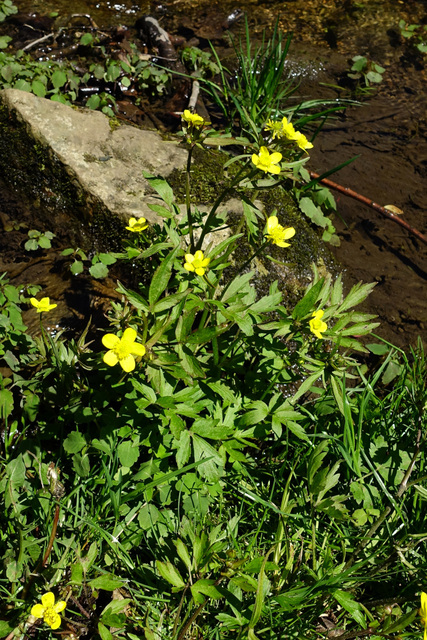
387, 133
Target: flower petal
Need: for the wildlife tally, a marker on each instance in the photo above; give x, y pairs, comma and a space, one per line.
289, 233
55, 621
48, 599
189, 257
198, 255
138, 349
60, 606
110, 358
129, 335
274, 168
38, 610
188, 266
275, 157
127, 363
110, 340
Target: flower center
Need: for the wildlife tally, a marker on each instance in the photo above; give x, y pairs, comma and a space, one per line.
50, 616
121, 350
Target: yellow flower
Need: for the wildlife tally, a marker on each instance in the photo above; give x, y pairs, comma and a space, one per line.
288, 129
317, 326
137, 225
48, 610
278, 234
266, 162
122, 349
423, 612
193, 119
42, 305
295, 136
197, 263
302, 141
275, 128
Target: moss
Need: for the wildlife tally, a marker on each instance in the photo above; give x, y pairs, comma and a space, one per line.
292, 266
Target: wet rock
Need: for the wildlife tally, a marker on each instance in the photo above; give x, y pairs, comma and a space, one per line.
67, 158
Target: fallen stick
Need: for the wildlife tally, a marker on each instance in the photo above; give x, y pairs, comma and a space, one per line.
370, 203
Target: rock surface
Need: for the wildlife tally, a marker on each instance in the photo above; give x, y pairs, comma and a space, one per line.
106, 162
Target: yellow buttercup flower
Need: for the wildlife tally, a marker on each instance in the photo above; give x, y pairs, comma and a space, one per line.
43, 305
193, 119
302, 141
48, 610
317, 326
288, 129
423, 612
278, 234
276, 128
197, 263
137, 225
122, 350
267, 162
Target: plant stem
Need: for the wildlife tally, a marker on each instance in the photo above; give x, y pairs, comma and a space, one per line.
218, 201
187, 199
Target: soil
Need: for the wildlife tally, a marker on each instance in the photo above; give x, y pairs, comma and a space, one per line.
387, 133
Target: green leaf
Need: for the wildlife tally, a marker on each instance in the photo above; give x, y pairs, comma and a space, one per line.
77, 267
161, 277
98, 270
184, 449
347, 601
58, 79
107, 582
237, 286
313, 212
170, 574
6, 403
306, 305
74, 442
257, 413
128, 452
38, 88
207, 588
182, 551
161, 186
104, 633
81, 465
116, 606
86, 39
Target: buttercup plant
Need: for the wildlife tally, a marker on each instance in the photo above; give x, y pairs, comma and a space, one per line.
224, 411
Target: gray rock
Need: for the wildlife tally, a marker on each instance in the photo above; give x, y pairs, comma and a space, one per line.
104, 163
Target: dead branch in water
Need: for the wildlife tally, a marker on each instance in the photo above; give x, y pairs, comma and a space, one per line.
370, 203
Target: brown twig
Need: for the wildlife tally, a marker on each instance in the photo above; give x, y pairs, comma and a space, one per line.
370, 203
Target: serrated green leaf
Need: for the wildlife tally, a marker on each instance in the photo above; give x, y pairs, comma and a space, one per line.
107, 582
161, 277
306, 305
170, 574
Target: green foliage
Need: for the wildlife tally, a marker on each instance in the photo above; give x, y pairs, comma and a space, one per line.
416, 34
365, 72
199, 62
211, 467
38, 240
7, 8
